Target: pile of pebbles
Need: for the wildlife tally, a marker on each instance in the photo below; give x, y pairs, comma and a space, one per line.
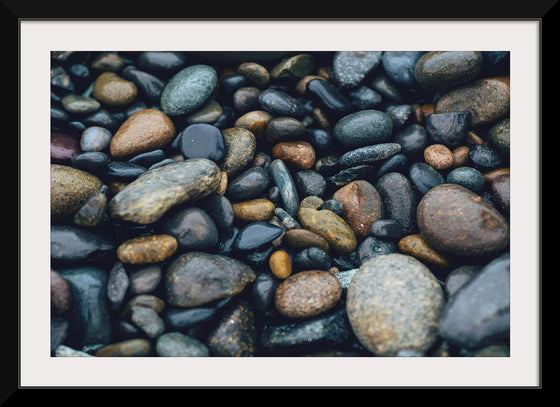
246, 204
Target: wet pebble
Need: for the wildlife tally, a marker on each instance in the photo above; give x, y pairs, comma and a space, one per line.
446, 69
312, 258
250, 184
467, 177
240, 147
386, 229
302, 238
112, 90
147, 249
279, 103
449, 129
369, 154
399, 199
363, 128
202, 140
192, 227
177, 344
424, 177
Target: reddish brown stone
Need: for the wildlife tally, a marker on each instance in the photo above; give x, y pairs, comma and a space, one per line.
60, 294
493, 174
414, 245
255, 121
63, 147
362, 206
460, 156
438, 156
302, 239
295, 154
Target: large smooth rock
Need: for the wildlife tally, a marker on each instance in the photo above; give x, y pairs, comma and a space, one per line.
363, 128
454, 220
148, 197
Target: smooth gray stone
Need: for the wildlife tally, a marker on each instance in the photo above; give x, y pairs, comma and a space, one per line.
399, 200
285, 183
176, 344
369, 154
479, 313
363, 128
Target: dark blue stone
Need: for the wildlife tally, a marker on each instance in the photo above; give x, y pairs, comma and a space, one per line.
424, 177
202, 140
320, 139
382, 84
59, 116
81, 76
364, 98
257, 257
149, 86
347, 175
373, 247
162, 163
350, 68
256, 235
148, 158
312, 258
485, 157
328, 165
328, 96
250, 184
225, 242
279, 103
124, 171
220, 210
101, 118
162, 63
72, 245
229, 85
413, 140
135, 108
467, 177
399, 66
285, 183
333, 205
94, 162
226, 119
75, 128
184, 318
400, 114
368, 154
263, 290
61, 81
450, 128
310, 182
396, 163
89, 320
387, 229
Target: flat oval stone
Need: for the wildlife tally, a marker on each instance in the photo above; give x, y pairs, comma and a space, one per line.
163, 63
95, 138
414, 245
197, 278
487, 99
193, 228
394, 304
147, 249
188, 89
363, 128
92, 162
123, 171
295, 154
112, 90
145, 280
240, 146
387, 229
284, 128
148, 197
450, 128
362, 206
454, 220
78, 104
255, 235
146, 130
369, 154
485, 157
176, 344
279, 103
446, 69
209, 112
286, 185
256, 122
302, 239
70, 189
399, 199
74, 245
126, 348
246, 99
307, 294
331, 227
350, 68
202, 140
479, 313
89, 320
499, 190
250, 184
467, 177
254, 210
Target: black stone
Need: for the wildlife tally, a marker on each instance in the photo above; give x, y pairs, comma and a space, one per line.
59, 331
347, 175
229, 85
149, 86
72, 245
148, 158
368, 154
162, 163
328, 165
382, 84
387, 229
328, 96
413, 140
124, 171
309, 182
485, 157
60, 81
75, 128
401, 115
364, 98
94, 162
162, 63
424, 177
59, 116
333, 205
279, 103
226, 119
220, 210
396, 163
372, 247
256, 235
101, 118
135, 108
262, 291
202, 140
81, 76
312, 258
193, 228
250, 184
184, 318
448, 129
226, 240
399, 66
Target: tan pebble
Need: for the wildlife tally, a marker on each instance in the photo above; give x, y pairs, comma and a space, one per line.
143, 300
222, 187
254, 210
438, 156
255, 73
127, 348
416, 246
147, 249
460, 156
324, 71
302, 239
280, 264
255, 121
427, 109
110, 89
311, 201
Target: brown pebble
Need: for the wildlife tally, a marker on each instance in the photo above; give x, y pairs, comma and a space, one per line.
60, 294
500, 192
307, 294
427, 109
324, 71
255, 73
295, 154
438, 156
302, 239
127, 348
112, 90
280, 264
460, 156
321, 119
147, 249
253, 210
143, 300
416, 246
489, 176
334, 270
255, 121
362, 206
